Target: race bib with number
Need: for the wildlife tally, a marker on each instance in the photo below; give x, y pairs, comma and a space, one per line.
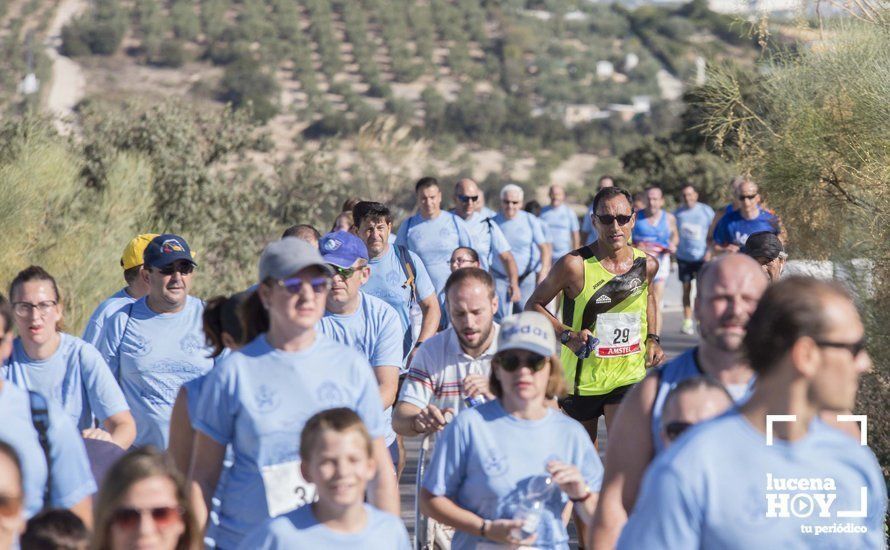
618, 334
286, 489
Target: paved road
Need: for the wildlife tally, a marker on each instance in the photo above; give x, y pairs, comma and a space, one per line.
673, 343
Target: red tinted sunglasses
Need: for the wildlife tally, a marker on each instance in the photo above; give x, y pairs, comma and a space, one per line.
129, 518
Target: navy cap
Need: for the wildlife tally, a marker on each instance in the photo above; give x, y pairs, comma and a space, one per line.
342, 249
165, 249
763, 244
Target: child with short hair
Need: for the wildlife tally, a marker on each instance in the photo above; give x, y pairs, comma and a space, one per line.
335, 453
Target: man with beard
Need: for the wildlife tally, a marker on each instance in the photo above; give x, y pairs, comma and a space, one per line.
730, 288
451, 368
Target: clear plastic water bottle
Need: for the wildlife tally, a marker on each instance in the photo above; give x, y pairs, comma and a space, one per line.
531, 510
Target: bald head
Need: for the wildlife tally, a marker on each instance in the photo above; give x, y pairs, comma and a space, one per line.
728, 291
464, 203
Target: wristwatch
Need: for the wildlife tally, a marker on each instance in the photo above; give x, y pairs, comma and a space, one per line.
655, 337
565, 336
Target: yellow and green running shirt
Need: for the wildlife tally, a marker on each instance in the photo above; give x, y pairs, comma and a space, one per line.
613, 308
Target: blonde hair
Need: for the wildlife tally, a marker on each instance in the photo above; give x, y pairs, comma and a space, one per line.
134, 467
339, 420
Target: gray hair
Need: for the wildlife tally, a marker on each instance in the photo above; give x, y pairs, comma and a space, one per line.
512, 188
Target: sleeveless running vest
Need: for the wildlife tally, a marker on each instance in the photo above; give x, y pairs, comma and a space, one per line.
613, 308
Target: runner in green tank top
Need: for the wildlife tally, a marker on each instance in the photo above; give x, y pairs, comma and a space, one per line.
607, 307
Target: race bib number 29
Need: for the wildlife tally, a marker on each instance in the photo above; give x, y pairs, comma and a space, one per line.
618, 334
286, 489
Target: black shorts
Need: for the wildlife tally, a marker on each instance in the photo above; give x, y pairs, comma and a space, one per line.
688, 270
584, 408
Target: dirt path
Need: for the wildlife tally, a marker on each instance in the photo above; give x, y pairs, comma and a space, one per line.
68, 82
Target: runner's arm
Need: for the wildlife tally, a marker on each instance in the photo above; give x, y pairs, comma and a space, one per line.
206, 466
388, 382
122, 429
546, 260
429, 306
629, 453
654, 353
675, 233
512, 273
553, 284
383, 490
182, 435
576, 240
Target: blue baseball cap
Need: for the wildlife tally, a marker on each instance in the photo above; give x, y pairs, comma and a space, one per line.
342, 249
165, 249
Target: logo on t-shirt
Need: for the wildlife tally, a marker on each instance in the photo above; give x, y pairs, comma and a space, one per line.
495, 463
191, 343
330, 394
266, 399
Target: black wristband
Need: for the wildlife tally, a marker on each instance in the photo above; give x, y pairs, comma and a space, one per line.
483, 528
655, 337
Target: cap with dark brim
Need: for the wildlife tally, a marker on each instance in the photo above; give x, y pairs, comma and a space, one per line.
287, 256
763, 244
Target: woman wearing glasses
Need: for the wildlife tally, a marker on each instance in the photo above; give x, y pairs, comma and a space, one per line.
505, 471
259, 398
63, 367
144, 504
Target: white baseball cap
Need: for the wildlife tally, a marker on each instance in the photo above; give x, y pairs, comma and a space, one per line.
529, 331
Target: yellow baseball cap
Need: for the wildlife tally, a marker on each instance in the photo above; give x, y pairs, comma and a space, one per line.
132, 256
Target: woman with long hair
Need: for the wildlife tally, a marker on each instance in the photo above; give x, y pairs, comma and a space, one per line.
144, 504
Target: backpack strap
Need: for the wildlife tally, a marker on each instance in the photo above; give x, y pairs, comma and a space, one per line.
410, 270
40, 419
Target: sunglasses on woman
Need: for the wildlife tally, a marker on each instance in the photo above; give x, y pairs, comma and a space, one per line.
295, 285
512, 362
163, 516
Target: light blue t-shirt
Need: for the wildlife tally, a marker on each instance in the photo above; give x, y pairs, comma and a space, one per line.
488, 239
76, 376
720, 486
259, 398
372, 330
486, 460
389, 283
693, 224
587, 226
525, 234
562, 222
434, 240
300, 529
152, 355
103, 311
72, 479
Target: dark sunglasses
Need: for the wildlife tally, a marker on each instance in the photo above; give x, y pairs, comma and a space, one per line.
184, 269
129, 518
511, 362
10, 506
468, 198
346, 272
295, 285
743, 198
853, 347
675, 429
608, 219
